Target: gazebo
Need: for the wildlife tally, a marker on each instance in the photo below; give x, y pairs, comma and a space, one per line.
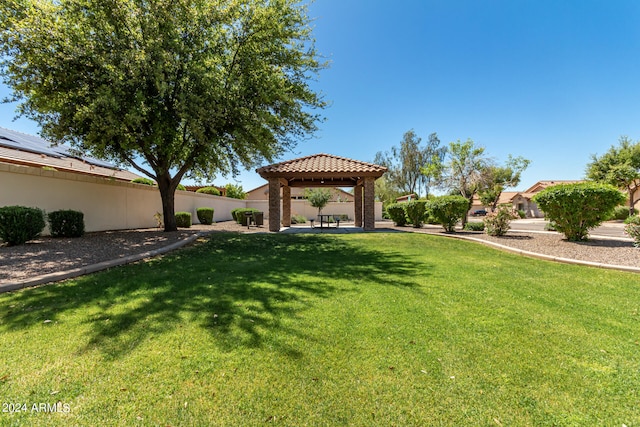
321, 170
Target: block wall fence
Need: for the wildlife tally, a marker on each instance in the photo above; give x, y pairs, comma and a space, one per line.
108, 204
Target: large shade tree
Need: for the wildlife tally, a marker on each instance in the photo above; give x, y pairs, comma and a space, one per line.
620, 167
173, 88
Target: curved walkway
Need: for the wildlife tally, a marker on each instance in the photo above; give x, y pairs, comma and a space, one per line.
382, 227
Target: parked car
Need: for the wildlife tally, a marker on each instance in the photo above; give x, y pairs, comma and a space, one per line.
479, 212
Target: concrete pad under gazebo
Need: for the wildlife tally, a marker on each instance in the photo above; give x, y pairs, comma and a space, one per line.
322, 170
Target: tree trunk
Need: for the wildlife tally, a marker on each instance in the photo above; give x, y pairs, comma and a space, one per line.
167, 193
463, 222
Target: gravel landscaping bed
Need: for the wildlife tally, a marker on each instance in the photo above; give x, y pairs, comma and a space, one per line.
596, 249
49, 255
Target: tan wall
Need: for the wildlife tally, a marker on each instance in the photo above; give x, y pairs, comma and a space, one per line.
262, 193
106, 204
302, 207
115, 205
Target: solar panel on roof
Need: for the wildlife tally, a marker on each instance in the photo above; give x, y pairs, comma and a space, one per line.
35, 144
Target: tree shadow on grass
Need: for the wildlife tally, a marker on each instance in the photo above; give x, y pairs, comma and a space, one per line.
238, 287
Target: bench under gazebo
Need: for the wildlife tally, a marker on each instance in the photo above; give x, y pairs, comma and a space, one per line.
321, 170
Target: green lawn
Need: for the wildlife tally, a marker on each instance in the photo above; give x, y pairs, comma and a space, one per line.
365, 329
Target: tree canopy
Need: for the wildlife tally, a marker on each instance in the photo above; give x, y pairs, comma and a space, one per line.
463, 171
318, 197
620, 167
494, 179
406, 164
173, 88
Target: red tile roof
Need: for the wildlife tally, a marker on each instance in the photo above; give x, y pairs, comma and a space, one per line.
325, 164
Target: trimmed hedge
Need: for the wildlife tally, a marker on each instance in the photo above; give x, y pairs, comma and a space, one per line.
577, 208
66, 223
397, 214
205, 215
19, 224
183, 219
416, 211
144, 181
239, 214
448, 210
209, 190
474, 226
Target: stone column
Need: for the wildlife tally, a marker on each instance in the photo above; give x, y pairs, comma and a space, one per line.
286, 206
369, 203
274, 205
357, 198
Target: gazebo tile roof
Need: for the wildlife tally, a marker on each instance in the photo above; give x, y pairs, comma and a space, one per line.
322, 163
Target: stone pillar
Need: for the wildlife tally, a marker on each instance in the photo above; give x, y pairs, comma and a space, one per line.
369, 203
274, 205
357, 196
286, 206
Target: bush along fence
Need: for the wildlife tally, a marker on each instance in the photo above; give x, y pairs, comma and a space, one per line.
20, 224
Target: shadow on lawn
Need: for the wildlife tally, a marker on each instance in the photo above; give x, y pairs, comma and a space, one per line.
239, 287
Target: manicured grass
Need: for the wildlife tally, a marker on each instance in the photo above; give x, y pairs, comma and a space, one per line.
368, 329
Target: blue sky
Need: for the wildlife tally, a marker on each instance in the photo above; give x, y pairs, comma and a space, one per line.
552, 81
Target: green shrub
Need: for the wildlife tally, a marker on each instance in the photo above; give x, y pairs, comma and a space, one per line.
577, 208
235, 191
497, 223
416, 211
397, 214
448, 210
474, 226
209, 190
550, 226
240, 214
621, 213
522, 214
19, 224
66, 223
182, 187
298, 219
183, 219
144, 181
632, 229
205, 215
633, 219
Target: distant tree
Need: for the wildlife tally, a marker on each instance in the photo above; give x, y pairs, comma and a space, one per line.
235, 191
386, 193
318, 197
494, 179
173, 88
406, 164
620, 167
462, 174
432, 162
